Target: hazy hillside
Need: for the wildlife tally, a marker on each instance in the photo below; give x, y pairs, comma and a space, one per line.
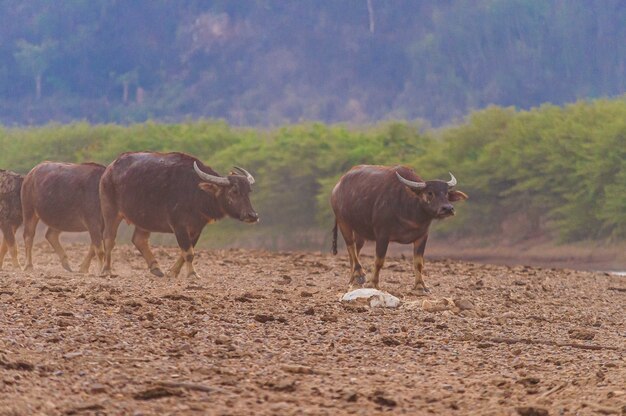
267, 62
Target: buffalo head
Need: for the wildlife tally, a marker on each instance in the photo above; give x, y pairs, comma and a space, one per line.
232, 192
435, 196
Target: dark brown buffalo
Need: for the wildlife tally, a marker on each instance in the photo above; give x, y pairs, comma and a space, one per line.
169, 193
64, 196
10, 213
383, 204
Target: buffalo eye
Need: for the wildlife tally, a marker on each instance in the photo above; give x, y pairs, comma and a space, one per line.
431, 194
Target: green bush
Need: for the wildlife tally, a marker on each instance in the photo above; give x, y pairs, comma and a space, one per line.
555, 170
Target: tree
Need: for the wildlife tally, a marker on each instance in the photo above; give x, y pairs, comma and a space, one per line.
34, 59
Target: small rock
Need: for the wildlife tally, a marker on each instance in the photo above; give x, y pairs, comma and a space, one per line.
379, 398
309, 311
582, 334
285, 280
264, 318
97, 388
463, 304
157, 393
531, 411
616, 393
222, 340
529, 381
390, 341
297, 369
352, 397
74, 354
375, 298
437, 305
329, 318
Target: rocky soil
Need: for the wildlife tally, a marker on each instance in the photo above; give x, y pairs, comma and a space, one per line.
265, 333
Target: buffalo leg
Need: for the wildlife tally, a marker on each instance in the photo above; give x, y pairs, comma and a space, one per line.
357, 275
8, 243
84, 266
3, 251
30, 226
140, 240
97, 246
418, 264
13, 247
111, 224
52, 235
381, 252
360, 242
175, 270
187, 251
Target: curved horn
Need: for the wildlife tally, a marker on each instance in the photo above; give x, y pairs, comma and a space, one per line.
217, 180
451, 182
245, 173
411, 184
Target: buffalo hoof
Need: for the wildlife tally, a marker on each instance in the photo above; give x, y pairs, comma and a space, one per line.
370, 285
83, 270
359, 280
28, 268
157, 272
107, 273
420, 291
67, 267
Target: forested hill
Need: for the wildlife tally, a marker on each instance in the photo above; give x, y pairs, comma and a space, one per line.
268, 62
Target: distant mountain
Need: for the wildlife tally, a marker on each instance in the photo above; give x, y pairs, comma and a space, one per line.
269, 62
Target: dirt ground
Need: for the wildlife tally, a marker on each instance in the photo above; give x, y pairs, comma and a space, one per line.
265, 333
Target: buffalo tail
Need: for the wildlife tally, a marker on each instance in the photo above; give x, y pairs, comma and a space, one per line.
334, 248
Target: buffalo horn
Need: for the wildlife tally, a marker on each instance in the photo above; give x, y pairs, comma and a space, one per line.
245, 173
217, 180
452, 182
411, 184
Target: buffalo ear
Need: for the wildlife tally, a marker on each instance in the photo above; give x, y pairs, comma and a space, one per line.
457, 196
210, 188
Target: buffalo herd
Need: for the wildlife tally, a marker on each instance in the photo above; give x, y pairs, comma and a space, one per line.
177, 193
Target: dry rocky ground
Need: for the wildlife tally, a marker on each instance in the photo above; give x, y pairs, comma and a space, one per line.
265, 333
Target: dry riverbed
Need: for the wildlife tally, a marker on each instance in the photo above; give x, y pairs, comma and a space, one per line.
265, 333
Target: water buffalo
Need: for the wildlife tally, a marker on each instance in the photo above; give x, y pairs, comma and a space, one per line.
64, 196
10, 213
383, 204
169, 193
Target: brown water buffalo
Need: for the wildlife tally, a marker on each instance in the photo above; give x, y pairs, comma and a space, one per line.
383, 204
10, 213
169, 193
64, 196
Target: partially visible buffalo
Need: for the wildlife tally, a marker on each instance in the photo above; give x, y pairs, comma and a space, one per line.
10, 213
64, 196
169, 193
383, 204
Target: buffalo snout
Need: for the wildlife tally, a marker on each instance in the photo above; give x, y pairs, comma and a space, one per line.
250, 217
445, 211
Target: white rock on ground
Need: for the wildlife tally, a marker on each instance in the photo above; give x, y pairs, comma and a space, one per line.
374, 297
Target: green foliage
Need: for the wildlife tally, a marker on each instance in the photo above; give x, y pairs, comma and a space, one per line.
555, 170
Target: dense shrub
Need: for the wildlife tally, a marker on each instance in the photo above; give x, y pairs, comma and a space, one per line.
555, 170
